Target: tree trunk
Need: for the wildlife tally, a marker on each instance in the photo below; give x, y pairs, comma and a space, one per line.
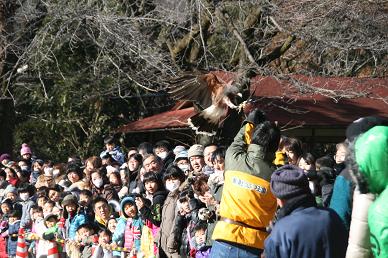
7, 121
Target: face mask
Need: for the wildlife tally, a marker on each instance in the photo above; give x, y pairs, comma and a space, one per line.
24, 168
162, 155
24, 196
98, 182
184, 167
172, 186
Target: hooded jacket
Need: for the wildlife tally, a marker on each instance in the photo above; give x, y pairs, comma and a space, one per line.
128, 230
371, 156
246, 198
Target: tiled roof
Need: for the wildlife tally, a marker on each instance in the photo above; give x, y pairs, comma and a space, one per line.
283, 102
170, 119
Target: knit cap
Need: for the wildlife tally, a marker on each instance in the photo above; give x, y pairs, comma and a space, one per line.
181, 155
289, 181
25, 149
178, 149
195, 150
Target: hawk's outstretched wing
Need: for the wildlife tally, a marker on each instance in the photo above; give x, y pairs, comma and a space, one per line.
199, 88
208, 92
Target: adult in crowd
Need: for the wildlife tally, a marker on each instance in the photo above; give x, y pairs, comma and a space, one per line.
302, 230
369, 165
293, 149
167, 241
163, 150
152, 163
102, 212
207, 154
247, 204
196, 158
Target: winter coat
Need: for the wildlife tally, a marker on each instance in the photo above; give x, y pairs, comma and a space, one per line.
154, 213
72, 224
341, 199
110, 192
128, 230
359, 243
168, 160
203, 253
370, 153
3, 237
13, 230
166, 239
246, 196
306, 233
116, 154
26, 221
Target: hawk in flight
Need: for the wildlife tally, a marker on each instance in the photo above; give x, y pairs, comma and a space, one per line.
213, 97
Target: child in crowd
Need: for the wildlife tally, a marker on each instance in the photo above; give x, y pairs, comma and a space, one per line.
112, 224
128, 231
104, 240
37, 225
6, 208
81, 246
26, 193
202, 249
13, 229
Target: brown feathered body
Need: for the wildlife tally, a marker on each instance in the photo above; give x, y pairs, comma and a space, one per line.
212, 96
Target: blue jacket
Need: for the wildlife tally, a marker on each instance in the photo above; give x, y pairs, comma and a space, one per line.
12, 240
73, 224
119, 234
26, 221
116, 154
341, 200
306, 233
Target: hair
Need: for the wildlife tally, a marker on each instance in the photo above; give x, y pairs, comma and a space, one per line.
267, 135
220, 152
138, 157
150, 177
95, 161
15, 214
36, 208
86, 192
50, 202
200, 226
341, 144
87, 226
14, 174
294, 145
308, 158
325, 161
106, 232
175, 172
200, 185
159, 160
109, 139
146, 147
118, 177
2, 173
163, 144
99, 199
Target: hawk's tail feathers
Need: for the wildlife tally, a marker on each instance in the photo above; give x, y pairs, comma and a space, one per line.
207, 121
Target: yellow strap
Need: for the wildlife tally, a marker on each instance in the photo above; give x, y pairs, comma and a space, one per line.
249, 127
